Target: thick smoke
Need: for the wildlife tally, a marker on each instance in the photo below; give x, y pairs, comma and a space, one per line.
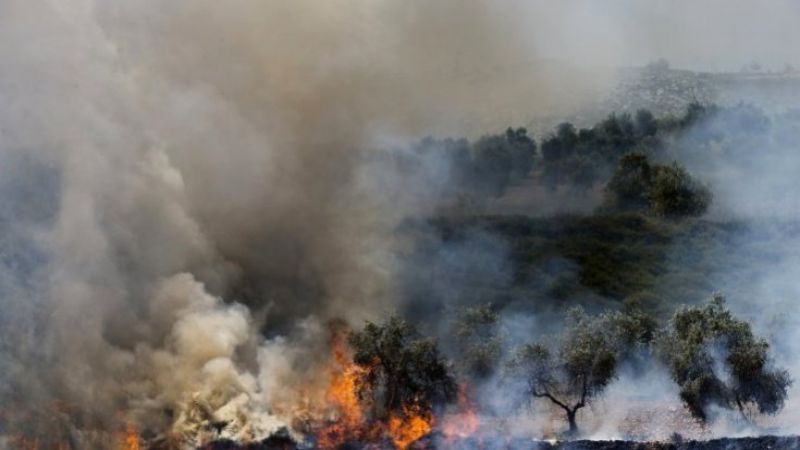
191, 189
158, 158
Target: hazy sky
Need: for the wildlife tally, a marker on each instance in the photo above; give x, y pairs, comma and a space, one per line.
704, 34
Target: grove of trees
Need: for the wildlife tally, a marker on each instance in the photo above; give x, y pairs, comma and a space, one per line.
712, 356
647, 225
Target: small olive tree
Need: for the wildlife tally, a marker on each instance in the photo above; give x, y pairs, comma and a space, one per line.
571, 371
401, 370
716, 360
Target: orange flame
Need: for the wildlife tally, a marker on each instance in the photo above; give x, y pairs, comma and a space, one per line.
408, 428
130, 439
352, 422
342, 395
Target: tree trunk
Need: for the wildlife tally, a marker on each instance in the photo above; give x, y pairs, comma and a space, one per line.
573, 425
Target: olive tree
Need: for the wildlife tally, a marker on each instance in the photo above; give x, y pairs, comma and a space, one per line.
630, 184
716, 360
674, 193
573, 369
400, 369
667, 191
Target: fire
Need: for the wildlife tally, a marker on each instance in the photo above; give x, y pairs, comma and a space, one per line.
408, 428
342, 394
463, 424
343, 389
130, 439
352, 422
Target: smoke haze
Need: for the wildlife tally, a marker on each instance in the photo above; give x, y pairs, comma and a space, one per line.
191, 189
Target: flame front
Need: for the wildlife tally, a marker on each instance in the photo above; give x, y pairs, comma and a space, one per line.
130, 439
342, 394
352, 423
408, 428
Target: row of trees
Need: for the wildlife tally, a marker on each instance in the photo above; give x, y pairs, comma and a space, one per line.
584, 158
714, 357
487, 166
404, 370
578, 158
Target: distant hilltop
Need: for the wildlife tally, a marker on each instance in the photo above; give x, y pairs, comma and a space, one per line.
665, 90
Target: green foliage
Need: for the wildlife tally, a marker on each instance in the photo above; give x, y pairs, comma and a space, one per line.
598, 261
629, 187
499, 160
665, 191
478, 342
675, 194
632, 328
401, 369
716, 360
583, 158
487, 166
577, 367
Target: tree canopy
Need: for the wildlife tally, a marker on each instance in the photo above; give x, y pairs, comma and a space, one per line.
401, 369
663, 190
479, 344
570, 371
717, 361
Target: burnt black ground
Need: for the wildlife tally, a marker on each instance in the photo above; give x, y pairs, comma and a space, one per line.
749, 443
